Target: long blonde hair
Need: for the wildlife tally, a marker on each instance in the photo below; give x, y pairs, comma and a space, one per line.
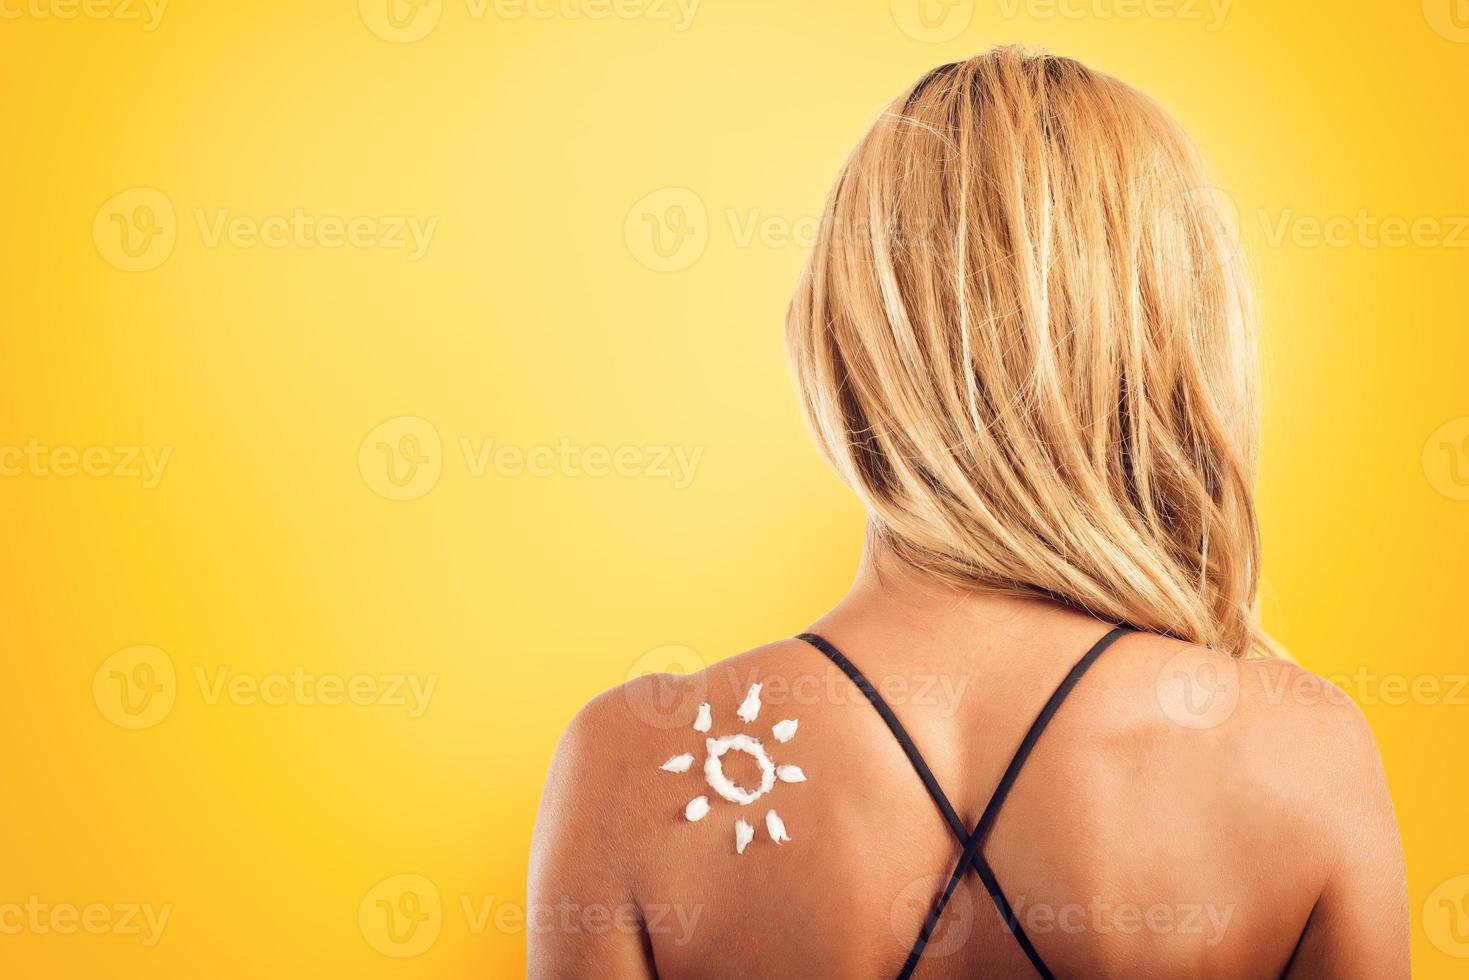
1025, 339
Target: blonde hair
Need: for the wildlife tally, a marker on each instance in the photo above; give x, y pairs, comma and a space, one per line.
1024, 338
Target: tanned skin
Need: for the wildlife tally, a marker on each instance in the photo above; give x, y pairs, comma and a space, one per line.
1184, 815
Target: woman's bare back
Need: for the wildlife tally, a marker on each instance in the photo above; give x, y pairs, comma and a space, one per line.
1182, 814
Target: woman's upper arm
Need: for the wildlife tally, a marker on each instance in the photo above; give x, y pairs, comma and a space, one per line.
581, 917
1359, 927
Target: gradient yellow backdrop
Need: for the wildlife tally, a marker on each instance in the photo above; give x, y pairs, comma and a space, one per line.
380, 382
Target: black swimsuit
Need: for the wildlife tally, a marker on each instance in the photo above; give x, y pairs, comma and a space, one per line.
972, 840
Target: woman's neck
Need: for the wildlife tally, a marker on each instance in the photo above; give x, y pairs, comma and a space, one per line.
888, 588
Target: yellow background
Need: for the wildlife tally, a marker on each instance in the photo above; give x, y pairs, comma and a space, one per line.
539, 314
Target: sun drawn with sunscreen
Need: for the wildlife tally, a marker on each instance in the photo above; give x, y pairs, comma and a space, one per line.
715, 750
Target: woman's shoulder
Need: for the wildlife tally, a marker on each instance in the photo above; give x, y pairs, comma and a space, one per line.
649, 705
1232, 792
616, 743
1262, 728
1270, 715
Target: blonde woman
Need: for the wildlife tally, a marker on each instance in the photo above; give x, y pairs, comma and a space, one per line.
1043, 734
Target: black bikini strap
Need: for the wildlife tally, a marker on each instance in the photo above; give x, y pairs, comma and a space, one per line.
981, 866
894, 725
987, 819
941, 800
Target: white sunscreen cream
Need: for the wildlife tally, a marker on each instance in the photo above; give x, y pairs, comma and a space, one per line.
744, 833
722, 784
749, 709
776, 827
717, 748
